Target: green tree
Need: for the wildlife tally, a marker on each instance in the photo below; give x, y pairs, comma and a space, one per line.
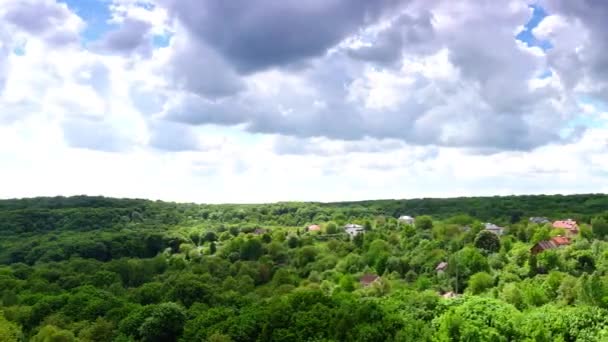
9, 331
600, 227
424, 222
331, 228
487, 241
51, 333
480, 282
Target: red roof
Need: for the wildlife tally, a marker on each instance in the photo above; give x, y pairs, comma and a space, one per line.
367, 279
560, 240
567, 224
314, 228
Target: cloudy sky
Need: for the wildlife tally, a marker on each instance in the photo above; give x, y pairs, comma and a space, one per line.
320, 100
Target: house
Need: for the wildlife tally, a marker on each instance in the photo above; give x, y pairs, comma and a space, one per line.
313, 228
442, 267
449, 295
493, 228
569, 225
368, 279
554, 242
260, 231
353, 229
539, 220
406, 219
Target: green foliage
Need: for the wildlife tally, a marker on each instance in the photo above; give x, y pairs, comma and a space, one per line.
9, 332
98, 269
480, 282
424, 222
487, 241
600, 227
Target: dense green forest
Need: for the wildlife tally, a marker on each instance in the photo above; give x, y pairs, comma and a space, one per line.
102, 269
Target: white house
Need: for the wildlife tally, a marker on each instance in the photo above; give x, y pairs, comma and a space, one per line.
406, 219
494, 228
353, 229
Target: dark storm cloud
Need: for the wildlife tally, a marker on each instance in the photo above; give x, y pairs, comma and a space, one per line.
256, 35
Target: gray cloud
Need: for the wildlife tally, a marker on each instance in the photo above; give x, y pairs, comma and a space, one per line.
406, 32
255, 35
586, 60
133, 36
43, 19
484, 102
196, 68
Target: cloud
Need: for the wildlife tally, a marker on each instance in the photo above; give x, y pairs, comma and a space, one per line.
95, 135
196, 68
578, 32
46, 19
170, 136
133, 36
266, 33
436, 74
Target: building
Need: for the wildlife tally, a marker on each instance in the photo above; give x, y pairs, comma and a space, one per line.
353, 229
406, 219
313, 228
442, 267
260, 231
569, 225
368, 279
539, 220
554, 242
449, 295
493, 228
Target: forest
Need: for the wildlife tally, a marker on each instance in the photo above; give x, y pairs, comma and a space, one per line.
463, 269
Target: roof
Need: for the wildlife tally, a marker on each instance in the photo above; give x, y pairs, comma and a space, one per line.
555, 242
566, 224
260, 231
367, 279
314, 227
353, 226
442, 266
560, 240
405, 217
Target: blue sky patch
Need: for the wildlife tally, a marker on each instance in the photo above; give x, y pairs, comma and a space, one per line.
96, 14
526, 35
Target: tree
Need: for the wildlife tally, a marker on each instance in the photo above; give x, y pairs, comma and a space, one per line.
155, 323
600, 227
487, 241
479, 282
251, 249
424, 222
9, 331
51, 333
212, 248
331, 228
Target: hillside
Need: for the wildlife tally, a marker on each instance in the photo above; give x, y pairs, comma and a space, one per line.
103, 269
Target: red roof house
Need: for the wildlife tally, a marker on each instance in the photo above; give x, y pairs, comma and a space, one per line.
313, 228
368, 279
569, 225
555, 242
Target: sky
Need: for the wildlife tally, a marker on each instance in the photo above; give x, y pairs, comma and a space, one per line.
216, 101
